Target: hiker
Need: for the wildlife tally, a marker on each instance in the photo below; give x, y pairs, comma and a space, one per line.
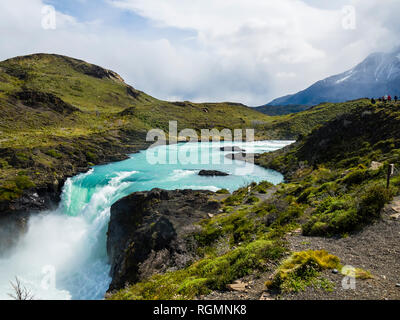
385, 98
396, 98
389, 98
373, 101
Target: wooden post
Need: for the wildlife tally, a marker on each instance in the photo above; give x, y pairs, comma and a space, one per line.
389, 174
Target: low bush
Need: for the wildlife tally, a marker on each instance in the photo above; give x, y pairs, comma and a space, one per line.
302, 269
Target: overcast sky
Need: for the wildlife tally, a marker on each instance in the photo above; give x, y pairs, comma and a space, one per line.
248, 51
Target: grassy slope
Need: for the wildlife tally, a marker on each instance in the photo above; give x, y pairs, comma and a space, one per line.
293, 126
331, 191
281, 110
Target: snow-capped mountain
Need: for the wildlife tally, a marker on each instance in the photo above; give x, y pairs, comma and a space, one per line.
377, 75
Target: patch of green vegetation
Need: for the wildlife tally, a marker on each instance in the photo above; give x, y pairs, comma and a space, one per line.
223, 191
4, 164
12, 189
208, 274
54, 153
262, 187
237, 197
297, 125
338, 215
252, 200
302, 269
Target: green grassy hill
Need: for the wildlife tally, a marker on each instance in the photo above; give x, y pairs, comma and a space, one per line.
295, 125
281, 110
99, 101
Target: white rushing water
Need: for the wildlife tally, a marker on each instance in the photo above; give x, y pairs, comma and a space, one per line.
63, 254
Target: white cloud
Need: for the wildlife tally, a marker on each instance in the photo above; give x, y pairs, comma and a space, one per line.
249, 51
276, 38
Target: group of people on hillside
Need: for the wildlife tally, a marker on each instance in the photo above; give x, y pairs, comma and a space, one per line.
386, 98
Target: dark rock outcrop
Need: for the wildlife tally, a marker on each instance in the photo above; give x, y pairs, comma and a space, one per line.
152, 232
131, 111
212, 173
132, 92
232, 149
44, 100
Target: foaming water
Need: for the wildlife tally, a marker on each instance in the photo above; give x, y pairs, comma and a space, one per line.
64, 256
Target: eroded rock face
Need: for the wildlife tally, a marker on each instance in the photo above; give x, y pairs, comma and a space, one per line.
45, 101
152, 232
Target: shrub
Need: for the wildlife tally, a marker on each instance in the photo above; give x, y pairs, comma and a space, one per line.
237, 197
301, 269
356, 177
24, 182
293, 212
373, 199
263, 187
252, 200
336, 216
306, 194
332, 216
223, 191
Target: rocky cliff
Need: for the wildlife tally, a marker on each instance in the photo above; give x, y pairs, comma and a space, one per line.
152, 232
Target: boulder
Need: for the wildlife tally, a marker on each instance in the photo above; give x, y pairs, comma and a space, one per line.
238, 286
232, 149
376, 165
212, 173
